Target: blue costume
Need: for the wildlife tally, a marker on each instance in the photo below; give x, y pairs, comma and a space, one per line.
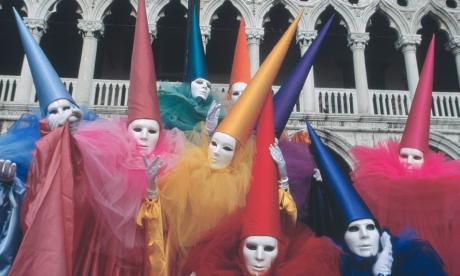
338, 205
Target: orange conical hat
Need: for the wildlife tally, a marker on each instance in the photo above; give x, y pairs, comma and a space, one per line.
240, 67
241, 119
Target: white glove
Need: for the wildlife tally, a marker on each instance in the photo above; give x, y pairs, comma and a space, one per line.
212, 119
7, 171
74, 119
153, 167
277, 156
317, 175
385, 258
73, 115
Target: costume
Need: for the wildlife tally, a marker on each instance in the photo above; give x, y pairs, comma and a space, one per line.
15, 145
194, 197
403, 255
424, 198
222, 250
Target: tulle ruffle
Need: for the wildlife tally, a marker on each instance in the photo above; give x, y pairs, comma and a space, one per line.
195, 197
18, 143
178, 108
218, 252
425, 199
116, 175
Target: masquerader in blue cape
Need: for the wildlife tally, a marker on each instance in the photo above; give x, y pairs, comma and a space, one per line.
367, 248
17, 144
185, 104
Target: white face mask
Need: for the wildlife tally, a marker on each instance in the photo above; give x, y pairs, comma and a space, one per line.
413, 158
237, 90
200, 88
221, 150
146, 132
59, 111
362, 238
259, 253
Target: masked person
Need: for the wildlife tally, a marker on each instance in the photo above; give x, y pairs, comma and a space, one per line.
185, 104
407, 184
257, 240
367, 248
81, 208
211, 180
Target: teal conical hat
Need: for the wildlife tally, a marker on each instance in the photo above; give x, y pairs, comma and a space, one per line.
196, 61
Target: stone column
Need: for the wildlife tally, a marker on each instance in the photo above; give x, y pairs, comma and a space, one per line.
91, 31
24, 89
454, 46
254, 37
205, 35
408, 45
357, 43
307, 96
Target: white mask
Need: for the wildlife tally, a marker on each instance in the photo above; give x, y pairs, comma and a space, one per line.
200, 88
146, 132
237, 90
221, 150
413, 158
259, 253
362, 238
59, 111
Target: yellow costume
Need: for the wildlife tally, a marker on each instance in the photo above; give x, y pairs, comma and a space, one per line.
193, 198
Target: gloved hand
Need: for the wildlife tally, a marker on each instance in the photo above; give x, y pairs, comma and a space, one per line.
277, 156
385, 258
153, 167
212, 119
7, 171
317, 175
74, 119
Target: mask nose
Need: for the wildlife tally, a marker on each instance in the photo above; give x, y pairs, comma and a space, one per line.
363, 233
259, 254
144, 135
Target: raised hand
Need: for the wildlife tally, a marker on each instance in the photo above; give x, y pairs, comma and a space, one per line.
74, 119
7, 171
385, 258
317, 175
152, 167
278, 157
212, 118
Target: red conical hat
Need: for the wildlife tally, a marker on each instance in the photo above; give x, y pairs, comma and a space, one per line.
240, 67
142, 99
417, 130
262, 217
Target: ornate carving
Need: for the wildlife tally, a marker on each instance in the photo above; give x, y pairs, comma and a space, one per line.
304, 39
205, 34
408, 42
255, 35
153, 30
454, 45
90, 28
36, 26
358, 40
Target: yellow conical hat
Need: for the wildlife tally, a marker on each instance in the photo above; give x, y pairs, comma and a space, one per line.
241, 119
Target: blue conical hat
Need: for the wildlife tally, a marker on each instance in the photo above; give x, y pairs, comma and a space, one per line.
345, 199
48, 85
196, 62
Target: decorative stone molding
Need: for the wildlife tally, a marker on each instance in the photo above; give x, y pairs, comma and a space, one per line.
153, 31
255, 35
358, 40
90, 28
205, 34
408, 42
36, 26
304, 39
454, 45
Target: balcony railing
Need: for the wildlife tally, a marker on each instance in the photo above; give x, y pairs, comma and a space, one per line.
114, 93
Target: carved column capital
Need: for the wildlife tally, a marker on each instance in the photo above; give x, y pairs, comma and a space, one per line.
305, 38
454, 45
408, 42
89, 28
255, 35
205, 34
36, 26
358, 40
